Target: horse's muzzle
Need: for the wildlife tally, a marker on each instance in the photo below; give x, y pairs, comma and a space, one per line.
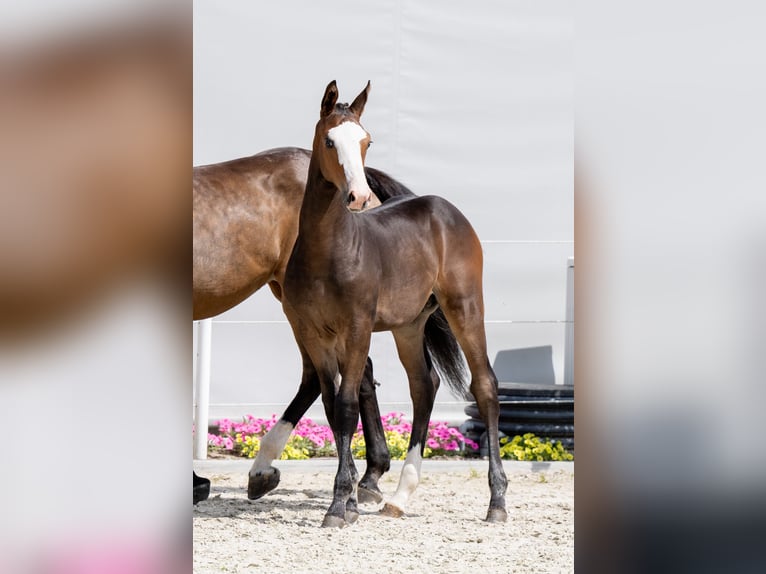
357, 201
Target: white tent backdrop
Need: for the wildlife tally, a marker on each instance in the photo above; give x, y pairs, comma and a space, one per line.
470, 102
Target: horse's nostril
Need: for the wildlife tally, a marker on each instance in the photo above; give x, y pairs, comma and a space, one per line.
351, 197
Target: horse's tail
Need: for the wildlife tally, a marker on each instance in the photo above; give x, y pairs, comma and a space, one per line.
384, 186
442, 348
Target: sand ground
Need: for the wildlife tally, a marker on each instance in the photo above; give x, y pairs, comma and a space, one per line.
442, 532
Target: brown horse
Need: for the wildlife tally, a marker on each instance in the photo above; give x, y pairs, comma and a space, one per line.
245, 224
388, 269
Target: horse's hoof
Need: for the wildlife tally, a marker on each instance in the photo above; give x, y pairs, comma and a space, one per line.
497, 515
201, 489
332, 521
351, 516
370, 495
391, 510
262, 482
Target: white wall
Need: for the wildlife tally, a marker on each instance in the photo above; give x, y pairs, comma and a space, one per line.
474, 104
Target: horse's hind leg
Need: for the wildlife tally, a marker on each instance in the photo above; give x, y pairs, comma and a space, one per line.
423, 386
465, 315
377, 454
484, 389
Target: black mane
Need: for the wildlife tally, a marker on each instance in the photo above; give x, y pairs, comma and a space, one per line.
384, 186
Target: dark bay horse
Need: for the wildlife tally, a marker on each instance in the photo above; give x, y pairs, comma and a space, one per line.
387, 269
245, 223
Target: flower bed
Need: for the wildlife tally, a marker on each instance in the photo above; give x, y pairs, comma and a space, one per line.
309, 440
530, 447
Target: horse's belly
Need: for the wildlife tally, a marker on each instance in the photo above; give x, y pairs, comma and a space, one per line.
397, 314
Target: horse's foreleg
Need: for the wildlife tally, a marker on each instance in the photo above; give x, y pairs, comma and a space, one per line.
377, 454
263, 478
201, 488
343, 509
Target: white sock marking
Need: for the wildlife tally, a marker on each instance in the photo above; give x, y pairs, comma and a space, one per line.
409, 478
272, 446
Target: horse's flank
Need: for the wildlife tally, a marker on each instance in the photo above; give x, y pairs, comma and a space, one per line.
242, 238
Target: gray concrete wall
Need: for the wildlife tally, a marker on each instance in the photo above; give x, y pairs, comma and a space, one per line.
470, 103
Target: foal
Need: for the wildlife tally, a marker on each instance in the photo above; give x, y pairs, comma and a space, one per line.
245, 221
387, 269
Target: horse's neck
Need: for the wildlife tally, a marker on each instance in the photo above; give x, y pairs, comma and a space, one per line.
323, 215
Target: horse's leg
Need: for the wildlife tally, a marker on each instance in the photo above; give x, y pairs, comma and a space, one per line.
263, 478
465, 316
377, 454
345, 415
423, 386
201, 488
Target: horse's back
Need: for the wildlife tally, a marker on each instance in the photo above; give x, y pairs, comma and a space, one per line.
412, 213
423, 232
228, 176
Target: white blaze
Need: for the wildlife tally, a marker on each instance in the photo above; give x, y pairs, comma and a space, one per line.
346, 138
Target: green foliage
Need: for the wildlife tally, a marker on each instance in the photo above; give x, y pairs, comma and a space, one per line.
530, 447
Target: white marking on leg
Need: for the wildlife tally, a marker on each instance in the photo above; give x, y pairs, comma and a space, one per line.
272, 446
409, 478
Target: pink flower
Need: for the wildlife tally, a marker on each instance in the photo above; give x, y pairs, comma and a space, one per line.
441, 436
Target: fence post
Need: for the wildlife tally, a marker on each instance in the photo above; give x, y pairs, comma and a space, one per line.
202, 387
569, 333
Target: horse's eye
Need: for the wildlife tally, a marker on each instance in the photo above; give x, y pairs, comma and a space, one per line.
328, 142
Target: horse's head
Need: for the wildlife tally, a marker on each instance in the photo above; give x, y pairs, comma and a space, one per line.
340, 146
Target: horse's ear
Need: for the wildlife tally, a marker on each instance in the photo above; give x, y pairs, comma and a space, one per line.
329, 99
357, 105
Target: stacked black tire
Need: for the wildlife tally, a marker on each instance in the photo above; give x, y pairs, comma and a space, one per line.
545, 410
